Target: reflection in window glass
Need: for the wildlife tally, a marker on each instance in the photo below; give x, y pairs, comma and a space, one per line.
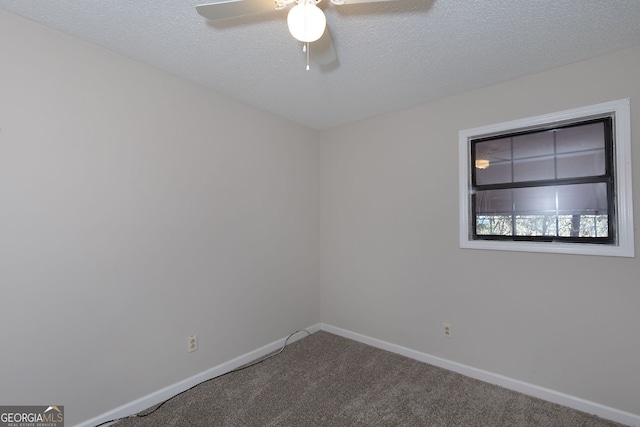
494, 225
552, 183
536, 225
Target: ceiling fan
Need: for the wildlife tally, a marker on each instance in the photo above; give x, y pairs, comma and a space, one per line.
306, 20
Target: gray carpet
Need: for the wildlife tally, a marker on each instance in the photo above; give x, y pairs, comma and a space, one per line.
327, 380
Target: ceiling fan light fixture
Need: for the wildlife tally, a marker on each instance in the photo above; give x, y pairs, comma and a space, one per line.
482, 163
306, 21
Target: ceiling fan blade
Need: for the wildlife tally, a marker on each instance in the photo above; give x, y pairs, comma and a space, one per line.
322, 52
231, 8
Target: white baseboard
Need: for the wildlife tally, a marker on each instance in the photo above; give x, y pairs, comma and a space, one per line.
489, 377
169, 391
553, 396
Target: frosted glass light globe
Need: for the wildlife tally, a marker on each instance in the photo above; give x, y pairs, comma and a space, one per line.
482, 163
306, 21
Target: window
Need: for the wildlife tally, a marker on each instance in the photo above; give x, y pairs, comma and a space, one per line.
554, 183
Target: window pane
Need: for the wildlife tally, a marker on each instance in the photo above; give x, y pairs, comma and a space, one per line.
580, 138
494, 173
494, 201
533, 145
534, 200
594, 226
493, 225
583, 199
583, 163
494, 149
535, 225
533, 169
496, 156
583, 225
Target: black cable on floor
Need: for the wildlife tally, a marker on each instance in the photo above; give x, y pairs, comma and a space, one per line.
241, 368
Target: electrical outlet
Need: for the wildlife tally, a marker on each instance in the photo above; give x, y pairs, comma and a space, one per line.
447, 330
192, 343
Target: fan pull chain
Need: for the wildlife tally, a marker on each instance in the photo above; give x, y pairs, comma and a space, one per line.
307, 50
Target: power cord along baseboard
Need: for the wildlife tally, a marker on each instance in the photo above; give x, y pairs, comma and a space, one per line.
241, 368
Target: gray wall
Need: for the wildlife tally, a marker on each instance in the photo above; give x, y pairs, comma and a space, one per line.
391, 267
137, 209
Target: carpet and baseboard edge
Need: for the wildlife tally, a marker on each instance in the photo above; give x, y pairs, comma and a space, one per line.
553, 396
165, 393
549, 395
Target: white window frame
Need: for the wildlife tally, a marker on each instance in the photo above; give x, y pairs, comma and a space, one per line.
624, 245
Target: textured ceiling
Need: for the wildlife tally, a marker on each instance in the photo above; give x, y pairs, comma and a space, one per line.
391, 55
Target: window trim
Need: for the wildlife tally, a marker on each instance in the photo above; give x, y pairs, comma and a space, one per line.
624, 246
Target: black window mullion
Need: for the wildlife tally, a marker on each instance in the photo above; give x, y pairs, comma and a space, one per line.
513, 202
610, 169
